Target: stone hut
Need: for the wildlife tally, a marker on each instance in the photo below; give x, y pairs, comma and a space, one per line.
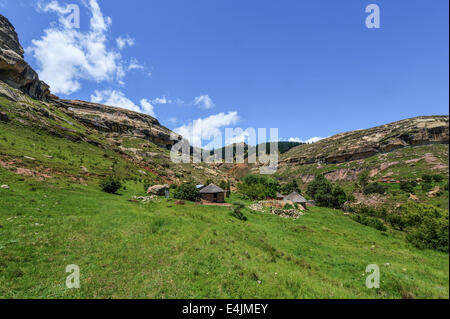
213, 194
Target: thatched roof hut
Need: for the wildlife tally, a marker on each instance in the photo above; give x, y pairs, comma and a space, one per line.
296, 198
213, 194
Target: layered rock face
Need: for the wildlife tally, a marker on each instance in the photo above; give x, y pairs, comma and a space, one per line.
108, 119
13, 69
362, 144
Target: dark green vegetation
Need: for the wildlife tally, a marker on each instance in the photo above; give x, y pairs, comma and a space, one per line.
162, 250
187, 192
111, 184
256, 187
325, 193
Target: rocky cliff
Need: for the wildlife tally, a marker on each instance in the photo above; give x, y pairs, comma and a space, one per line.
362, 144
13, 69
108, 119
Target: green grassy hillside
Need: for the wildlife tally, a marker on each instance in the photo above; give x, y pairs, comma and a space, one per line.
163, 250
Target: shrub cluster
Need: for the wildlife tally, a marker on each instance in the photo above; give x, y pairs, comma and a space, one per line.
427, 225
110, 184
370, 221
188, 192
258, 187
375, 188
288, 188
325, 193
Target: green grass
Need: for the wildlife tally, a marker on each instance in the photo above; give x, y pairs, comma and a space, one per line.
162, 250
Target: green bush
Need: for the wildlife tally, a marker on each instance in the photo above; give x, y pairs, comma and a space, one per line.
426, 225
407, 187
432, 233
438, 178
288, 188
236, 211
188, 192
375, 188
110, 184
325, 193
257, 187
370, 221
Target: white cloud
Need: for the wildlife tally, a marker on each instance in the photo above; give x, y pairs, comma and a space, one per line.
114, 98
309, 141
122, 42
66, 55
161, 100
204, 101
118, 99
147, 107
134, 65
206, 128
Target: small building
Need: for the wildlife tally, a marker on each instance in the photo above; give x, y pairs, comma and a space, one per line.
280, 196
296, 198
213, 194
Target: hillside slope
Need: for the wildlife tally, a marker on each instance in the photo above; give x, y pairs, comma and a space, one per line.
128, 249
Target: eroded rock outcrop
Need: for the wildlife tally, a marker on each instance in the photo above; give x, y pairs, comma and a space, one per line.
357, 145
108, 119
13, 69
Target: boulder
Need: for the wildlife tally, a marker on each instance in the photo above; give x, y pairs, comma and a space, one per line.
159, 190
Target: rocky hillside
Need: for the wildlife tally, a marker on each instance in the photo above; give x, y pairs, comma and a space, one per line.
357, 145
63, 132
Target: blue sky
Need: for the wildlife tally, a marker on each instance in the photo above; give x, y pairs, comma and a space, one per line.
310, 68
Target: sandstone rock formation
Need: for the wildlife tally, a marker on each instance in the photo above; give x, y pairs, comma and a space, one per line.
362, 144
13, 69
108, 119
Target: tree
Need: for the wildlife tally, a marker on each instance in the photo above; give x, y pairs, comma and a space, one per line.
258, 187
339, 197
325, 193
187, 192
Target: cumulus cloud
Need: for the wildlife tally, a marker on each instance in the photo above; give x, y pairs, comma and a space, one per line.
118, 99
114, 98
66, 55
204, 101
123, 42
309, 141
147, 107
206, 128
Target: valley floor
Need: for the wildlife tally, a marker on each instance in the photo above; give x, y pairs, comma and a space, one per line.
162, 250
